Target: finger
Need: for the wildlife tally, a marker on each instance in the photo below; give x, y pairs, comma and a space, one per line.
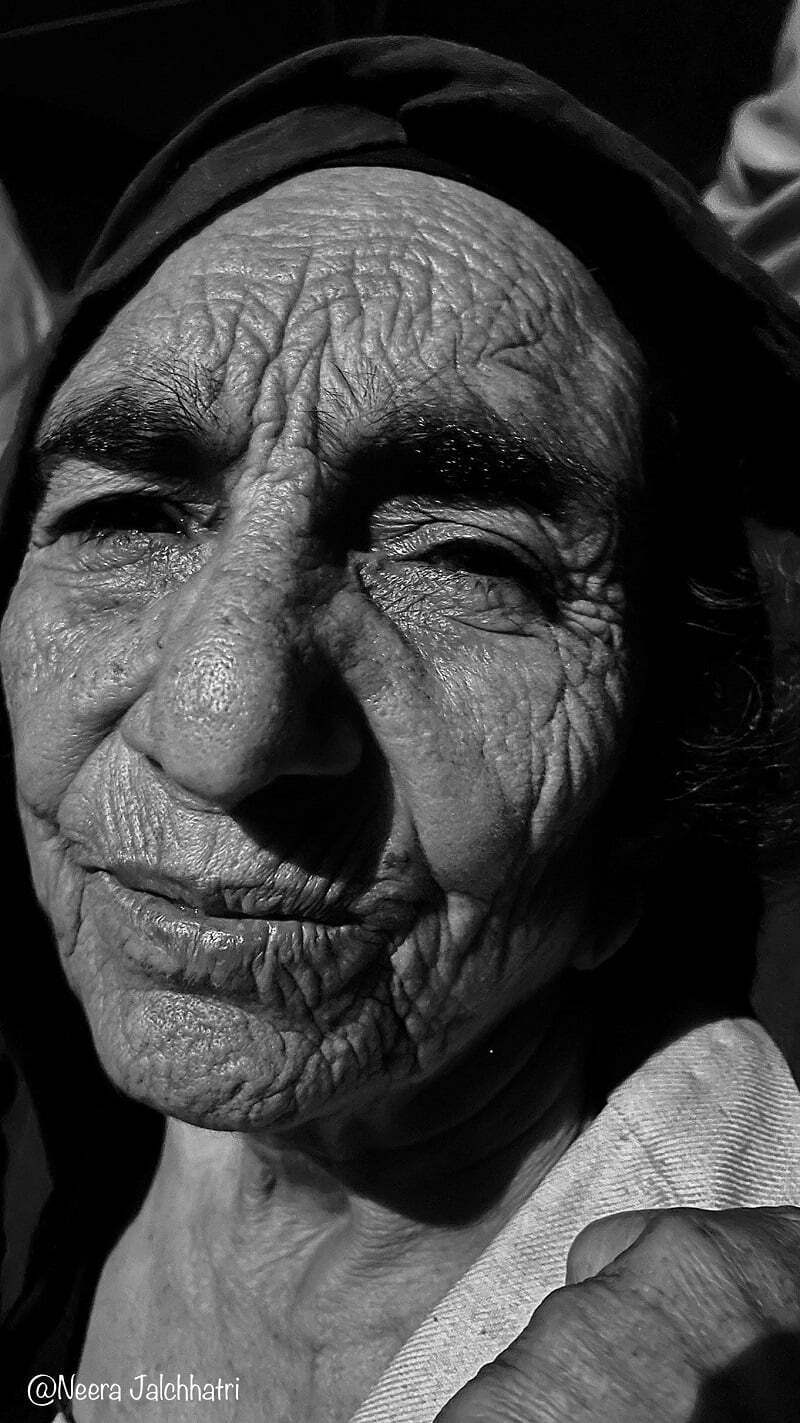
603, 1241
494, 1396
787, 1213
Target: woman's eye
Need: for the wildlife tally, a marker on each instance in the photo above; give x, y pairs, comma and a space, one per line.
124, 516
494, 565
471, 556
490, 582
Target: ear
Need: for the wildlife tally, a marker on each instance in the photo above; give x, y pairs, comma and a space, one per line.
617, 902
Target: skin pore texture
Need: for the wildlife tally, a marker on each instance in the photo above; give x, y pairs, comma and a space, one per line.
319, 667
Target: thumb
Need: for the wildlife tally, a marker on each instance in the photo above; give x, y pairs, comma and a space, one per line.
602, 1241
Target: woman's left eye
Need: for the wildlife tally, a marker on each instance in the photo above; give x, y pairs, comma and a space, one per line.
471, 556
486, 559
488, 580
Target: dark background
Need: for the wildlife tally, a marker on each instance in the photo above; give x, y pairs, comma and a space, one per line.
89, 91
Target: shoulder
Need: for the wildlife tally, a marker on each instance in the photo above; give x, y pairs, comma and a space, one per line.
717, 1114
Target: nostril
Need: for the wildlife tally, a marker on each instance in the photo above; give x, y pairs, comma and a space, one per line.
339, 744
223, 738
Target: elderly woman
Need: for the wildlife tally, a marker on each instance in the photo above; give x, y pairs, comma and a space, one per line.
384, 603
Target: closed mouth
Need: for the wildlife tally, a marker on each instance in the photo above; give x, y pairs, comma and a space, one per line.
236, 955
232, 903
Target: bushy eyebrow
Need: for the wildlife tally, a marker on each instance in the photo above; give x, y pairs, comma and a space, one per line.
126, 431
473, 458
479, 460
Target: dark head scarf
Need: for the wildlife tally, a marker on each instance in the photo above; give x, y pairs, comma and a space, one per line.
708, 321
716, 334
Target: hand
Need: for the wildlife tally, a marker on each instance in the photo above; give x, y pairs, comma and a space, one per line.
679, 1316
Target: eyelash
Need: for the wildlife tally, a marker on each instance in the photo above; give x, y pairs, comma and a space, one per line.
471, 556
113, 515
492, 559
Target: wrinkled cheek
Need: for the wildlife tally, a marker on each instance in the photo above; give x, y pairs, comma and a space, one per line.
476, 805
67, 679
24, 655
451, 797
15, 652
39, 662
57, 882
550, 746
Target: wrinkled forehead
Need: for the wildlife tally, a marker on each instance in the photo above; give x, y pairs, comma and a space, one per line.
378, 285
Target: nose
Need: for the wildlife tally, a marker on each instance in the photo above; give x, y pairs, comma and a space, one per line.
240, 698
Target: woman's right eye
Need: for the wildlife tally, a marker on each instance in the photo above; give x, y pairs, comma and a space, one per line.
121, 515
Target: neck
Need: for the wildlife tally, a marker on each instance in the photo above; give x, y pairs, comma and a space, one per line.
456, 1154
313, 1256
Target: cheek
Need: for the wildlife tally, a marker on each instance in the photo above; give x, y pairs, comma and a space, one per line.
39, 652
58, 885
69, 673
499, 747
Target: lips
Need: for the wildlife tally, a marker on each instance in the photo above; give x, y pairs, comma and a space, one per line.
237, 956
309, 899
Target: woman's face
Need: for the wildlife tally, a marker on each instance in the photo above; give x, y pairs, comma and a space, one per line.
318, 662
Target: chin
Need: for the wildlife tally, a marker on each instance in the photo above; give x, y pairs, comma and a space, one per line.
225, 1066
